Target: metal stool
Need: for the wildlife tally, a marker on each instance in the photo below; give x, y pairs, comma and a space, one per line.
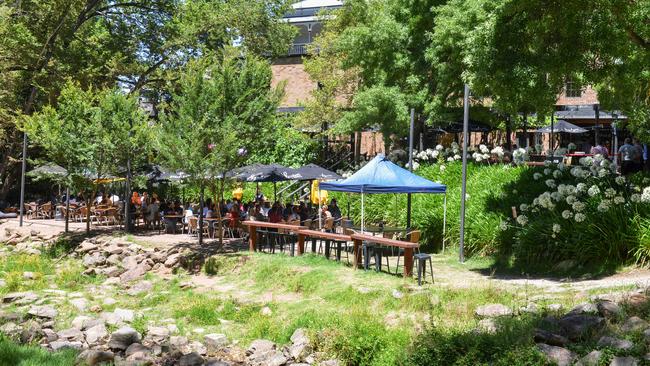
421, 260
366, 247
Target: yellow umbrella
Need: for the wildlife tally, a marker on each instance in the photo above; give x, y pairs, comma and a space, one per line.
238, 193
108, 180
317, 197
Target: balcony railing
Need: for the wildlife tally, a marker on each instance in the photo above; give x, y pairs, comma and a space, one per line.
298, 49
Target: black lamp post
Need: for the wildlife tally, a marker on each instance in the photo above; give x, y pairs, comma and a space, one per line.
597, 126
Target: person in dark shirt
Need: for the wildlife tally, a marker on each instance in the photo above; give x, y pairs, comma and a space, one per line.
334, 209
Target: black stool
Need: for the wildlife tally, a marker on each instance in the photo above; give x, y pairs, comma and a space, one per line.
421, 259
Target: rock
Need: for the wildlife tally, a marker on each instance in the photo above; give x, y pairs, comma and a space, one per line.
543, 336
266, 311
125, 315
29, 275
123, 338
14, 296
191, 359
634, 324
554, 307
558, 355
637, 301
50, 335
585, 308
608, 309
92, 357
261, 345
94, 259
78, 322
591, 359
488, 326
156, 335
109, 301
31, 331
300, 351
198, 347
178, 342
43, 311
137, 348
140, 287
111, 318
616, 343
6, 317
531, 308
330, 363
493, 311
97, 334
624, 361
80, 304
85, 247
57, 345
11, 329
224, 363
215, 342
71, 334
580, 326
172, 260
135, 272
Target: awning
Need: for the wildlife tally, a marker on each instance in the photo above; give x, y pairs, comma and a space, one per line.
562, 126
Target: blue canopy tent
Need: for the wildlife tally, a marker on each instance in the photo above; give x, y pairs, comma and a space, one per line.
381, 175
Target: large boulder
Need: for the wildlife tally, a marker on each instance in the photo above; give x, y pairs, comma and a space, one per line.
557, 355
96, 335
581, 326
591, 359
543, 336
92, 357
135, 272
123, 338
493, 311
611, 342
634, 324
215, 342
43, 311
624, 361
191, 359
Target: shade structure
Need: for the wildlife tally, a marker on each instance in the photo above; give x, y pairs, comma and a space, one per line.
160, 174
381, 175
315, 172
562, 126
49, 169
264, 173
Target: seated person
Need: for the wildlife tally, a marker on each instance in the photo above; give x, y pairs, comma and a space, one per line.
334, 209
294, 216
275, 213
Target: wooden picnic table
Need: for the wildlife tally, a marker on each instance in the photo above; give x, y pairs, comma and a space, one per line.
302, 234
253, 225
406, 245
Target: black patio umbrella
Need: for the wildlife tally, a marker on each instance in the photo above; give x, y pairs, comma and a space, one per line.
49, 169
265, 173
562, 126
314, 172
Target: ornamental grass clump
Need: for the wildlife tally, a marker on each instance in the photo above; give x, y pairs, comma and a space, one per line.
588, 214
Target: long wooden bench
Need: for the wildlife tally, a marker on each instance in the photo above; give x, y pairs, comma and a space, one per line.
406, 245
254, 225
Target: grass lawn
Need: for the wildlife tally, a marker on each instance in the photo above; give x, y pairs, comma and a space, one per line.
21, 355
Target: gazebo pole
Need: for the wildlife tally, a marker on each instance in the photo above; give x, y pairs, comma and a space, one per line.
363, 229
408, 196
320, 210
444, 221
463, 193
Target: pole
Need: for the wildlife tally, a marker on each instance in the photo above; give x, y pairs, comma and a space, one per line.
201, 216
615, 132
275, 191
362, 208
22, 179
127, 201
408, 196
464, 182
597, 113
552, 142
444, 221
67, 207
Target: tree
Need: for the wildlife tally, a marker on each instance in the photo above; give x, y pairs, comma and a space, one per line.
127, 124
73, 136
139, 44
222, 102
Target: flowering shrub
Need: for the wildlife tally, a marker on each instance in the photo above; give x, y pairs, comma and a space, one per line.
588, 214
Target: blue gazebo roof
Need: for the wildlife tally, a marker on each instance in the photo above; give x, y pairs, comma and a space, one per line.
381, 175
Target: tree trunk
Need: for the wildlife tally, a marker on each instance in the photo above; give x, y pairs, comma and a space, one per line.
201, 215
508, 133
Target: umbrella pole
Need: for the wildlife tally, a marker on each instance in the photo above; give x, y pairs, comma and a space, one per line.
362, 218
444, 221
348, 206
320, 211
275, 191
67, 207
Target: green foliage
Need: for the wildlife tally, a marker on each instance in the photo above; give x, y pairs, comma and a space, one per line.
33, 355
219, 264
284, 145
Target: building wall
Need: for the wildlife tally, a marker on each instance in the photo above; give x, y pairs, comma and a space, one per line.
588, 97
298, 84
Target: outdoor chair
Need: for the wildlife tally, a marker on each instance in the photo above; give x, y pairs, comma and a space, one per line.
329, 225
28, 211
414, 237
83, 214
45, 210
375, 252
192, 225
421, 260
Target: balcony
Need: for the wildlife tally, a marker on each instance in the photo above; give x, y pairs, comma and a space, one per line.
299, 49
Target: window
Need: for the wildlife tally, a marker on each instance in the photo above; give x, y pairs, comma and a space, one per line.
573, 89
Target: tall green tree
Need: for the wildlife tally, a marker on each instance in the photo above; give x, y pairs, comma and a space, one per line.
222, 102
139, 44
74, 136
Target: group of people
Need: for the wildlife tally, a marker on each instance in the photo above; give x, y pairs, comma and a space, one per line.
634, 156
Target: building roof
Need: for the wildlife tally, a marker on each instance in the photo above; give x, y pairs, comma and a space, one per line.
308, 10
317, 4
584, 113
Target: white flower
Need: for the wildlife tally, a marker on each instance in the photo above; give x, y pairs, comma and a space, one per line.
561, 166
557, 174
456, 157
547, 163
498, 151
610, 192
439, 147
547, 171
586, 161
537, 176
454, 145
578, 206
557, 228
645, 196
522, 220
580, 217
484, 149
619, 200
523, 207
581, 187
602, 173
503, 226
593, 190
519, 156
416, 165
620, 180
635, 197
478, 157
550, 183
434, 154
566, 214
571, 200
604, 206
450, 159
442, 168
